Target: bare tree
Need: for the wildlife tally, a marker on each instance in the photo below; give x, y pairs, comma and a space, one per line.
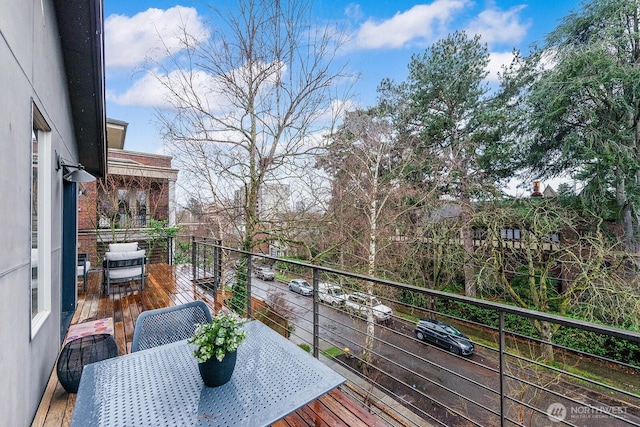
363, 161
246, 103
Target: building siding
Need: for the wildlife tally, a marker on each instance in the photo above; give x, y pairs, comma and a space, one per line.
32, 73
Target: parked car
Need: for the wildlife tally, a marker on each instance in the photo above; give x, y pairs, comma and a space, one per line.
444, 335
265, 273
331, 293
358, 303
301, 286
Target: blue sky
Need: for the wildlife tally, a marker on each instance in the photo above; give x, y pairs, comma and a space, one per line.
383, 35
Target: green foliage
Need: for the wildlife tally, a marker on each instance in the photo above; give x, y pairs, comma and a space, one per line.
579, 117
294, 269
183, 252
239, 288
306, 347
221, 336
600, 345
579, 340
452, 108
332, 352
522, 286
413, 299
158, 232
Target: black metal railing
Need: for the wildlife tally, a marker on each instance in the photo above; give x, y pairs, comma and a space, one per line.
158, 250
514, 377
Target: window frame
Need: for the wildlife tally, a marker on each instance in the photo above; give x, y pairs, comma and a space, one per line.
41, 130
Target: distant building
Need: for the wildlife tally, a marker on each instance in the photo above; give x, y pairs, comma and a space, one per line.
274, 201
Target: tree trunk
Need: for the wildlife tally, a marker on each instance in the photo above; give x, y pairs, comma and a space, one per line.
626, 216
546, 334
467, 244
371, 269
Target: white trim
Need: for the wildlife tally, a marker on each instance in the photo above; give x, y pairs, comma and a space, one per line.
45, 229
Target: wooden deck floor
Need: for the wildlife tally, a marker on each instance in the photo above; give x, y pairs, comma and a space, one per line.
164, 287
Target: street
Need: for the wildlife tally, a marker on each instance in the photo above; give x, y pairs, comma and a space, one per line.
426, 376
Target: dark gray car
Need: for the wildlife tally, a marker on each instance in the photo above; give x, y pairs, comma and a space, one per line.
445, 336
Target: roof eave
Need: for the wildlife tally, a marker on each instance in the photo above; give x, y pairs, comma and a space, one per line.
80, 25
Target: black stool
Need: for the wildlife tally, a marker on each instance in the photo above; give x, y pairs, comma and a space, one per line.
80, 352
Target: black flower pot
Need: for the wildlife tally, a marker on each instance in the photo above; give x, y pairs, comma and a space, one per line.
215, 373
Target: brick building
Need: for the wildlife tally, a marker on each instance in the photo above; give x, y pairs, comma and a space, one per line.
138, 189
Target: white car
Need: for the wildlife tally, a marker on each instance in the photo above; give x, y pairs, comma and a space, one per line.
301, 286
359, 302
331, 293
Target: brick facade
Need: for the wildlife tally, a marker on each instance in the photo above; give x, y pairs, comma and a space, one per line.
136, 172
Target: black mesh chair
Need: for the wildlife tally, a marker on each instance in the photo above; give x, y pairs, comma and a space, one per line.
167, 325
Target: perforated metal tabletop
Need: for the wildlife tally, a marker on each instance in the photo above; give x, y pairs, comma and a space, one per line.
162, 386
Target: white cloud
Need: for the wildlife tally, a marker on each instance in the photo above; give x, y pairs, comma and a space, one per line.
420, 24
499, 26
496, 61
151, 90
197, 88
148, 35
147, 91
353, 11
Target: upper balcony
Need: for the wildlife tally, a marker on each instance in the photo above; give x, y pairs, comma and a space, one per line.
513, 376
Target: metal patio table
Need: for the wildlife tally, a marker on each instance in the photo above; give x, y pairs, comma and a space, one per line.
162, 386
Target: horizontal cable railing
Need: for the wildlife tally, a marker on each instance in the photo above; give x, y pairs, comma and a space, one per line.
507, 381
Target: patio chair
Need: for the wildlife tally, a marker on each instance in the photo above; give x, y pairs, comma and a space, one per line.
83, 266
166, 325
123, 262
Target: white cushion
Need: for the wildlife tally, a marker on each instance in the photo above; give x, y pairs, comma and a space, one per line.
121, 273
123, 247
119, 256
81, 268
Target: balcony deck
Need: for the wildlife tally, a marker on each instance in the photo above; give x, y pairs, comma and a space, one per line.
164, 287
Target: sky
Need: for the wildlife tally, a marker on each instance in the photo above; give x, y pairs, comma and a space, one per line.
382, 37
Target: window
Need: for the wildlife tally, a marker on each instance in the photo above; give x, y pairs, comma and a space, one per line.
141, 208
34, 223
479, 233
122, 208
40, 221
510, 233
552, 237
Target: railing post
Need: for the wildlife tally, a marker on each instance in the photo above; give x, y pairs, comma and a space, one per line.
316, 314
193, 257
248, 302
501, 347
218, 263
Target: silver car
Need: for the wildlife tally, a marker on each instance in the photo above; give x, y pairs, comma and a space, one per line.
265, 273
301, 286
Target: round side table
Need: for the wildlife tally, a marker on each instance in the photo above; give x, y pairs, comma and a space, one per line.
80, 352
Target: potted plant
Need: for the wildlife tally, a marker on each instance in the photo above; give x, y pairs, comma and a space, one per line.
215, 349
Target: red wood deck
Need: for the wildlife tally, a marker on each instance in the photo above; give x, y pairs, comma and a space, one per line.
164, 287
